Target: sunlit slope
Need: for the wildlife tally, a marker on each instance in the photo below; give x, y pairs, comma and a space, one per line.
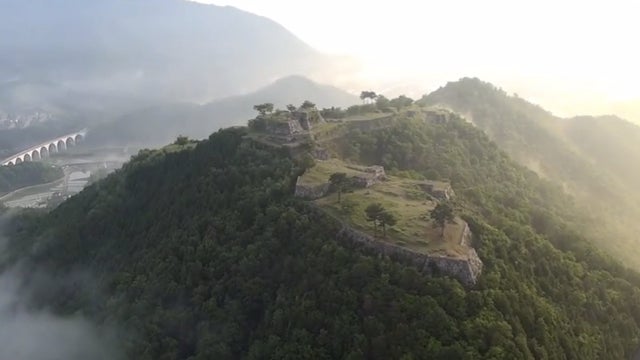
592, 158
610, 142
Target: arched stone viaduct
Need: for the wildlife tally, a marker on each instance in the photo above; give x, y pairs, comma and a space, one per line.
46, 148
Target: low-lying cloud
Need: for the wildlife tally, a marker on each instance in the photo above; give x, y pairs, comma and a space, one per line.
38, 334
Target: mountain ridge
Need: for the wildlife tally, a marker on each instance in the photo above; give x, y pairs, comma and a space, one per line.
131, 45
596, 172
238, 268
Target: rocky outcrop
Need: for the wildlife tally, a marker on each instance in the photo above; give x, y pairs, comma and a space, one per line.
307, 191
466, 269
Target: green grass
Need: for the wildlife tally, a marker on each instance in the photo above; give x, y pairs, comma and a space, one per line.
321, 172
177, 147
368, 116
326, 130
324, 127
411, 207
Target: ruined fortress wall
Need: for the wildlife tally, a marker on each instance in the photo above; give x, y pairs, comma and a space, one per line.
467, 270
310, 191
465, 238
290, 127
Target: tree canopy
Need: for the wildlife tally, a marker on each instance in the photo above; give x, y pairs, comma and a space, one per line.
339, 181
441, 214
378, 215
264, 109
204, 253
401, 102
307, 105
368, 95
382, 102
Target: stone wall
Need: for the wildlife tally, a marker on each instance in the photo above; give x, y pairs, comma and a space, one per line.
320, 153
435, 116
465, 239
308, 118
373, 124
310, 191
290, 127
370, 176
439, 192
364, 180
466, 270
377, 171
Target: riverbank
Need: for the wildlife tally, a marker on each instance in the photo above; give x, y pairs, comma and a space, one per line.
57, 182
33, 196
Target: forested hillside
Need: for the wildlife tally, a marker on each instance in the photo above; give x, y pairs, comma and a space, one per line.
611, 143
202, 252
526, 131
589, 157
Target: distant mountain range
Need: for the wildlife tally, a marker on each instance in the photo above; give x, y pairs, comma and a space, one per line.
59, 50
160, 124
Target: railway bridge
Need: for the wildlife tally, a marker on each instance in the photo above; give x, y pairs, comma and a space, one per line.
46, 148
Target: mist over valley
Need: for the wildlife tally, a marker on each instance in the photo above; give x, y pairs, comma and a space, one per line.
184, 180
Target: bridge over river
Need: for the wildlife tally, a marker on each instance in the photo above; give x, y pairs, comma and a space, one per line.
43, 150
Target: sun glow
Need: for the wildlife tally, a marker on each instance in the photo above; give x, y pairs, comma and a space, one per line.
581, 52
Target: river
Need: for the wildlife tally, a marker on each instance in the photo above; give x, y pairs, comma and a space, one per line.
37, 196
77, 172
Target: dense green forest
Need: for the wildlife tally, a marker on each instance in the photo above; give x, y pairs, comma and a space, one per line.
524, 130
590, 157
27, 174
201, 252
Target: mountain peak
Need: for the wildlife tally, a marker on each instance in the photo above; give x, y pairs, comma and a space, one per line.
297, 88
293, 80
128, 46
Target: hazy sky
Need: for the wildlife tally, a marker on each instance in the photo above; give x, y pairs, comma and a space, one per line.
560, 54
